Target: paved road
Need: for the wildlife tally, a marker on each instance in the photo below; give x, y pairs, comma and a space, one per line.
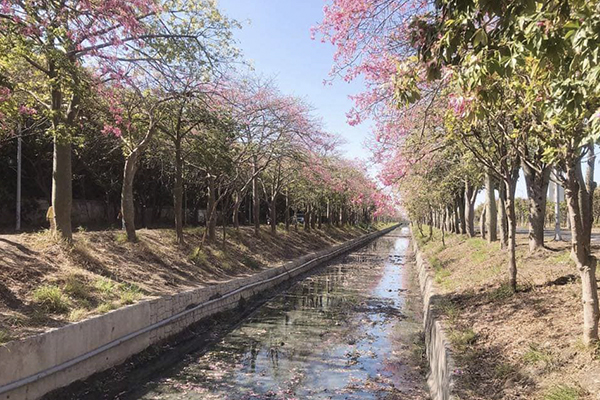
565, 233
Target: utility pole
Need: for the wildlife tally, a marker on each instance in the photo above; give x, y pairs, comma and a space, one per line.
18, 205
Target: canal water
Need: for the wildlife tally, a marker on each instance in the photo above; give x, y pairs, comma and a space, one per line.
350, 331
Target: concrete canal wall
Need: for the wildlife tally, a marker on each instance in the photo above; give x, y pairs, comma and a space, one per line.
37, 365
439, 353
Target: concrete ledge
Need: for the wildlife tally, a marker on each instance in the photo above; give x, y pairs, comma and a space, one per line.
39, 364
439, 353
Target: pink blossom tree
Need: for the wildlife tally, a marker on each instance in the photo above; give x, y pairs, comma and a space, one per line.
64, 41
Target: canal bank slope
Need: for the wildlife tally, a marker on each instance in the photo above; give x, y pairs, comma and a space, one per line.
438, 349
41, 363
44, 285
350, 329
505, 345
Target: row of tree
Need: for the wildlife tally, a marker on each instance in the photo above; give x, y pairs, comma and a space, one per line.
465, 94
108, 81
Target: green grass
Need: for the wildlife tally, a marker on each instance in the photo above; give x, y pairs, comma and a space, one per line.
129, 293
480, 256
5, 337
75, 287
450, 310
106, 307
441, 273
198, 257
51, 298
535, 355
121, 237
563, 392
77, 314
477, 243
562, 258
501, 293
105, 286
504, 371
462, 339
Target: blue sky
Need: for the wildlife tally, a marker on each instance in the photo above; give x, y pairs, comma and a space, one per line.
275, 38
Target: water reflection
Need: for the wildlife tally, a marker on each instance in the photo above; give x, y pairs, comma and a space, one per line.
327, 337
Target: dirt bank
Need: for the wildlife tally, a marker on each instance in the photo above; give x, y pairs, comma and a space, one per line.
525, 345
44, 285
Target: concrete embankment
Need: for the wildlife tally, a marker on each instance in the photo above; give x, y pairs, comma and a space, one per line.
439, 354
37, 365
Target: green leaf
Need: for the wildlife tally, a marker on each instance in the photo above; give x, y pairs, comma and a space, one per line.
480, 37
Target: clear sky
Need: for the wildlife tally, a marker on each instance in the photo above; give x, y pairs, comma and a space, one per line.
275, 38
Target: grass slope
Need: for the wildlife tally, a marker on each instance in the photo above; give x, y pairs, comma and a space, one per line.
525, 345
44, 285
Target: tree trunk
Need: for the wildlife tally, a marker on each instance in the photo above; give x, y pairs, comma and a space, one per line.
319, 221
307, 216
443, 230
586, 193
430, 224
62, 190
537, 191
127, 205
178, 193
273, 211
557, 233
224, 213
296, 220
503, 217
62, 175
461, 212
255, 201
492, 214
287, 211
236, 210
482, 222
211, 209
581, 254
510, 187
470, 209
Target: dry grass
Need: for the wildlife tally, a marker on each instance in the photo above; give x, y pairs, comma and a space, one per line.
524, 345
45, 285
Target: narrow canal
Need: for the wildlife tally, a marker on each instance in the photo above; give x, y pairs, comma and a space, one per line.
350, 331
